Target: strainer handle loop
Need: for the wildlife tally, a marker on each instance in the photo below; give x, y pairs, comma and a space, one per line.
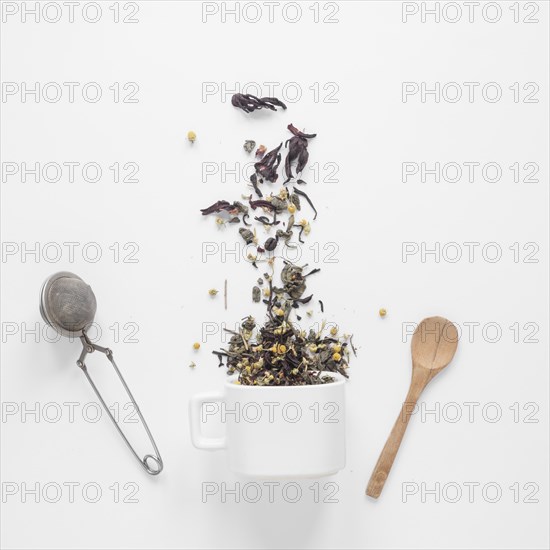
151, 463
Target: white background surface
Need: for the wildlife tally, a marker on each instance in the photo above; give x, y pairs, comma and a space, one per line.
368, 212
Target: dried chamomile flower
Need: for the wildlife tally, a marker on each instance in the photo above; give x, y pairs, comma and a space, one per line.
307, 227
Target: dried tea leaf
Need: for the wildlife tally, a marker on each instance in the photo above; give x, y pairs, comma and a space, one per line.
271, 244
249, 103
256, 294
247, 235
249, 145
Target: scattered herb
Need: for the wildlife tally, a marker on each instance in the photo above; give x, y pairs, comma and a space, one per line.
275, 204
249, 145
302, 194
267, 167
225, 206
297, 151
256, 294
260, 203
250, 103
352, 346
266, 221
300, 134
271, 244
295, 200
300, 233
294, 280
254, 182
279, 354
247, 235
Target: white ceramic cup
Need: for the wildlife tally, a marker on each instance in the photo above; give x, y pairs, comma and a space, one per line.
275, 432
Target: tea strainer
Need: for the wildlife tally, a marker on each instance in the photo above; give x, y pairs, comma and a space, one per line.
68, 305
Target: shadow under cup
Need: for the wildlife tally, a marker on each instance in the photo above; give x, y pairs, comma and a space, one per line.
276, 432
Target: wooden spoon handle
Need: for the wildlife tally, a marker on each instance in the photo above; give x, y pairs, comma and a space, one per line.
389, 452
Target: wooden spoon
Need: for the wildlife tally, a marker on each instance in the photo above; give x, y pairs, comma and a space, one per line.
433, 346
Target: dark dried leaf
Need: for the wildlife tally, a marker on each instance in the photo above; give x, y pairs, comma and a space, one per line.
302, 194
261, 204
271, 244
250, 103
217, 207
299, 133
267, 167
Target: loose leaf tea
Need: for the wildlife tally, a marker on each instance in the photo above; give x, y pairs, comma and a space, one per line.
279, 353
273, 205
249, 103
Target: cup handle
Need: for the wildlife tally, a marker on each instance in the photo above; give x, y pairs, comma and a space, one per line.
195, 409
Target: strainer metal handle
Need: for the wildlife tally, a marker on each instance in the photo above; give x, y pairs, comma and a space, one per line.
152, 464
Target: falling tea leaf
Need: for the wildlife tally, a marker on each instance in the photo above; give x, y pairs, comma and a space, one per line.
249, 103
